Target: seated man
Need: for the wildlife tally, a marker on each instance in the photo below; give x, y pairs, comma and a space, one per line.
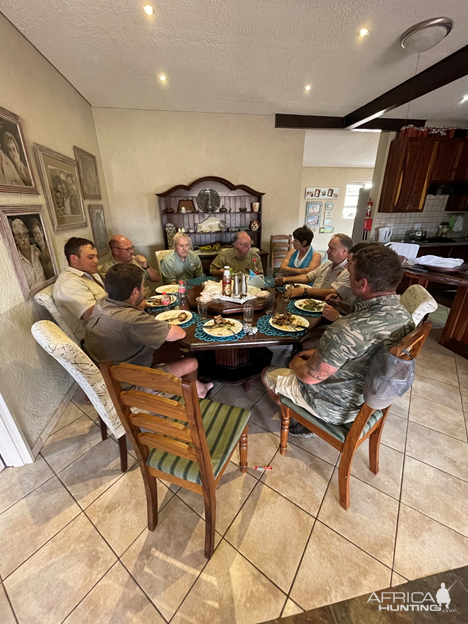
328, 382
239, 257
79, 286
122, 251
330, 278
181, 263
120, 331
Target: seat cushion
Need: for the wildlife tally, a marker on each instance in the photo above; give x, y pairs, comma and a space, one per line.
337, 431
223, 426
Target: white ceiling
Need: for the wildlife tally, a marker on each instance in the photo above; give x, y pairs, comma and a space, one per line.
242, 56
340, 148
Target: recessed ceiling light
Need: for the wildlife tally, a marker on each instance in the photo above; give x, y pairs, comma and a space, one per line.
426, 35
464, 99
364, 31
307, 88
163, 78
148, 9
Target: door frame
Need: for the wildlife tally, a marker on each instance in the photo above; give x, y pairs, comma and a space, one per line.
14, 449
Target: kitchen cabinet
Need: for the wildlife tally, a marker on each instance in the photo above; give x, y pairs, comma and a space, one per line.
451, 163
457, 203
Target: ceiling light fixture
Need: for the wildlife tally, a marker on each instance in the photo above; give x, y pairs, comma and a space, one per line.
307, 88
364, 31
148, 9
464, 99
163, 78
426, 35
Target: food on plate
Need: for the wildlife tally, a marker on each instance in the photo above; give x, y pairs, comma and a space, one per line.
312, 305
219, 321
155, 301
287, 320
183, 316
262, 293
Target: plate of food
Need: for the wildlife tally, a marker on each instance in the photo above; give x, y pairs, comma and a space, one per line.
310, 305
156, 301
170, 289
221, 327
289, 322
175, 317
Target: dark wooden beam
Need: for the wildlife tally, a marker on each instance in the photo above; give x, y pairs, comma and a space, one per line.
314, 122
444, 72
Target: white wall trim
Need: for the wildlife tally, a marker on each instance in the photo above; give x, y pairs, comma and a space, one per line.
14, 449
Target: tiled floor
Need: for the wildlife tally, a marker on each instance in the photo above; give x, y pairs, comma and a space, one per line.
75, 548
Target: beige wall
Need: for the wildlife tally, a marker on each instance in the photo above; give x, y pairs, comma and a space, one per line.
331, 177
146, 152
55, 115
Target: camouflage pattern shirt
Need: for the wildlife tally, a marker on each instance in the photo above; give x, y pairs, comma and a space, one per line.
349, 344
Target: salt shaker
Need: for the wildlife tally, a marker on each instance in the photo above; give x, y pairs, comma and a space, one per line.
243, 285
236, 285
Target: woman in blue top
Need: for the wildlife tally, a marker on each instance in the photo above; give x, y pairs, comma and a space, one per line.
302, 259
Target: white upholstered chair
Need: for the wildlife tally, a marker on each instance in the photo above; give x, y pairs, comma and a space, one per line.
419, 302
73, 359
160, 255
45, 299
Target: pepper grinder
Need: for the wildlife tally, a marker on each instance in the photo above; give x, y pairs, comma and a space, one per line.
236, 286
243, 285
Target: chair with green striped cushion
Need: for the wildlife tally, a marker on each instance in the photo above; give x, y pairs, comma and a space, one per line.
184, 440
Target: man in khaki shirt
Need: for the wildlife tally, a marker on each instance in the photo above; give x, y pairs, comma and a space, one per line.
239, 257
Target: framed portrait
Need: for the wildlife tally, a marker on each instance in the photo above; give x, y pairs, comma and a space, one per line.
87, 169
313, 192
98, 227
16, 174
60, 180
312, 214
327, 221
328, 205
29, 246
326, 230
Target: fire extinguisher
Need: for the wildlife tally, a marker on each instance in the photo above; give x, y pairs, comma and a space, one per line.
367, 227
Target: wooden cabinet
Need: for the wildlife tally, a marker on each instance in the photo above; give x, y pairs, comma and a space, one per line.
451, 162
457, 203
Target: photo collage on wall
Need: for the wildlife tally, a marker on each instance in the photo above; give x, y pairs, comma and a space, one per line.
318, 215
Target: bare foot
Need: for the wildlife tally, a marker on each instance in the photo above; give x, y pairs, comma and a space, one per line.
203, 389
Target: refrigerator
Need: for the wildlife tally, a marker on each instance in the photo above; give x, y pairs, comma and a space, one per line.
359, 234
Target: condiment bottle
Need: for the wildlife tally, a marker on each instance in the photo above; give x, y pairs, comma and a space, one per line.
255, 270
166, 299
181, 291
227, 282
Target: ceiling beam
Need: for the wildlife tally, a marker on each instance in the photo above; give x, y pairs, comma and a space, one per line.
314, 122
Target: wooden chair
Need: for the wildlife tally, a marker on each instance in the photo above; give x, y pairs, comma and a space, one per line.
369, 423
280, 245
188, 441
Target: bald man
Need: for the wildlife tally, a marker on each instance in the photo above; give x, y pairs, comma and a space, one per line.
238, 257
122, 251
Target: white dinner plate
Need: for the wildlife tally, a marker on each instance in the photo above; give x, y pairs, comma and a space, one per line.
219, 332
169, 289
297, 320
301, 303
155, 301
170, 316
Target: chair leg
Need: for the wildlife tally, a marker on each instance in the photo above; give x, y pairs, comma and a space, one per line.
374, 449
103, 429
344, 476
123, 453
243, 443
210, 523
284, 429
151, 487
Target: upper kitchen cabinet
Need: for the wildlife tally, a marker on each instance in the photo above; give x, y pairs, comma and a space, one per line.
408, 175
452, 161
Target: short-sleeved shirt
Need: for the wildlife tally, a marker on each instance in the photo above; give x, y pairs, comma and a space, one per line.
229, 257
74, 293
112, 262
328, 276
349, 345
173, 268
33, 268
120, 332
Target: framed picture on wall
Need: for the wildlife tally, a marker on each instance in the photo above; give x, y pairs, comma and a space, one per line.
87, 169
27, 240
60, 180
312, 214
328, 205
98, 226
16, 174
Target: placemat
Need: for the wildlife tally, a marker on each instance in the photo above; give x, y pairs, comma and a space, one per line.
292, 308
264, 327
202, 335
158, 309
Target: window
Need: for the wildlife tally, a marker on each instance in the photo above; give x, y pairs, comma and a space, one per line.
351, 198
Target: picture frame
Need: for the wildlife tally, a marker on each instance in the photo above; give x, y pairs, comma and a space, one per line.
16, 172
59, 176
327, 222
328, 205
326, 230
29, 246
314, 192
97, 219
88, 173
312, 214
328, 214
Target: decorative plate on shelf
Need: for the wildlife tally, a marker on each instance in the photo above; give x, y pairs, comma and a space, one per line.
208, 200
254, 226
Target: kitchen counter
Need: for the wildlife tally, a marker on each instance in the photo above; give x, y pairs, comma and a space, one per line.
456, 243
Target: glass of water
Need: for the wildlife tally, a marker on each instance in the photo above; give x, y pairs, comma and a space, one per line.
202, 307
269, 303
248, 309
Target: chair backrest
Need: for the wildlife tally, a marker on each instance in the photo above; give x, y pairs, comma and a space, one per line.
73, 359
418, 301
160, 255
280, 245
153, 411
45, 298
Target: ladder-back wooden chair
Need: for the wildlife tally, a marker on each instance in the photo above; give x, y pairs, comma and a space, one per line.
280, 246
347, 438
184, 440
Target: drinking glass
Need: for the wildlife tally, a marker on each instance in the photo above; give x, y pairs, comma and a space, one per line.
202, 309
248, 309
269, 303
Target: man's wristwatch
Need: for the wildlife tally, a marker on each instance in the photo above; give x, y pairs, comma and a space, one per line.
305, 292
145, 268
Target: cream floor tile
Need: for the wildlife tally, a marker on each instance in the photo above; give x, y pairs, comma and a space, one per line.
262, 447
94, 472
432, 346
166, 562
6, 612
71, 413
291, 608
394, 433
79, 398
16, 483
272, 533
230, 589
397, 579
462, 364
426, 547
427, 369
26, 526
231, 493
438, 417
464, 395
70, 443
359, 524
317, 447
266, 414
301, 477
116, 599
439, 450
232, 396
94, 417
436, 494
445, 359
54, 580
120, 513
388, 479
436, 391
257, 383
400, 407
333, 569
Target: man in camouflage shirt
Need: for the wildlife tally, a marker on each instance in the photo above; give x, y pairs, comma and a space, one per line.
328, 381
